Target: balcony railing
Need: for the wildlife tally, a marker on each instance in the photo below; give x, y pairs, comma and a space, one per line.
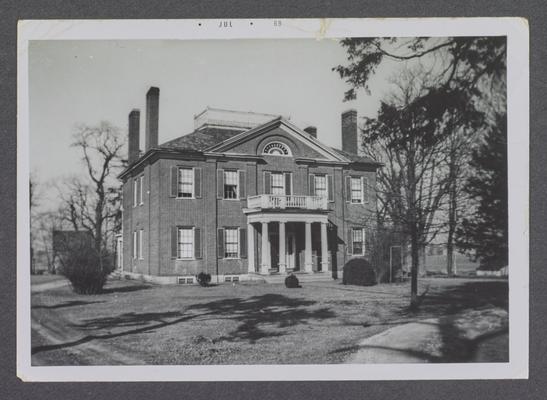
275, 201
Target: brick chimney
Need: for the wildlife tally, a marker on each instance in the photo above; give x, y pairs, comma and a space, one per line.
312, 130
349, 131
152, 117
134, 132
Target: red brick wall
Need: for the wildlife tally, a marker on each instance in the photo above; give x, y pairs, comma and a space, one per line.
160, 212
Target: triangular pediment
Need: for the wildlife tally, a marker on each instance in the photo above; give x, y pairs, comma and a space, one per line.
278, 133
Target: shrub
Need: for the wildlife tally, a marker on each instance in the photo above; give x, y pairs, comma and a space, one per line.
85, 268
359, 271
203, 279
291, 282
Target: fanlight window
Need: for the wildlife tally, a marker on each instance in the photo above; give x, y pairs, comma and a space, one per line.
276, 149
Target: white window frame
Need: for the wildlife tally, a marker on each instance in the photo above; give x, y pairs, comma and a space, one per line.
141, 182
193, 174
362, 199
282, 183
192, 243
237, 235
362, 253
141, 244
324, 177
135, 191
236, 172
135, 245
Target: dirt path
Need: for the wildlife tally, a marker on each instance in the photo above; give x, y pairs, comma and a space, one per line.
53, 332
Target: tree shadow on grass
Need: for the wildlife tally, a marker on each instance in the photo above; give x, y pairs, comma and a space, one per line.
125, 289
447, 305
270, 309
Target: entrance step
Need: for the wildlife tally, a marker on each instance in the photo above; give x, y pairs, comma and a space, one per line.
302, 277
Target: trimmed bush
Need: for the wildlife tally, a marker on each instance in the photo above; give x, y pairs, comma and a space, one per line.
291, 282
359, 271
85, 268
203, 279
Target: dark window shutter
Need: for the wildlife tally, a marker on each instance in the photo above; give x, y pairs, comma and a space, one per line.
365, 190
349, 244
242, 184
220, 183
243, 243
197, 243
288, 183
312, 185
220, 243
174, 241
267, 182
348, 189
197, 183
330, 187
174, 181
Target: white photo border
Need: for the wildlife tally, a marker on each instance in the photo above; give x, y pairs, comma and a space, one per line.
517, 32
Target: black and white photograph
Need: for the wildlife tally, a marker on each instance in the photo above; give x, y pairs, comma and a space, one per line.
297, 199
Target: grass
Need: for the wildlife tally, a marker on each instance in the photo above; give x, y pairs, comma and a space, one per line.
45, 278
243, 324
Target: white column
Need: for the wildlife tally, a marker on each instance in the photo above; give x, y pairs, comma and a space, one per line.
307, 252
251, 248
324, 248
266, 258
282, 252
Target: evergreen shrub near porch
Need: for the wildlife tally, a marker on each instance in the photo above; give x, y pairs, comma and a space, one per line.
358, 271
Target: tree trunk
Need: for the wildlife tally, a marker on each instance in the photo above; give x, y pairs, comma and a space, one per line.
452, 217
415, 257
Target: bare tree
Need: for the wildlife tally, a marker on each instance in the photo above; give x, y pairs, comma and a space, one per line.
90, 203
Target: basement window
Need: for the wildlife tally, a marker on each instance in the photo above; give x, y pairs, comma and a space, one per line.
185, 280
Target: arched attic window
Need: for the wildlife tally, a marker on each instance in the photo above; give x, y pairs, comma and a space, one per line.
277, 149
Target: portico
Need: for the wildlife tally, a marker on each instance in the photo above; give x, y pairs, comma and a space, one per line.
281, 239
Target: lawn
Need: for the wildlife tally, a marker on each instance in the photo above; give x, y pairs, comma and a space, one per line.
136, 323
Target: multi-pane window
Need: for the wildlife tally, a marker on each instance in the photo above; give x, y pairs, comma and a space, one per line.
141, 184
140, 244
356, 190
186, 182
358, 241
230, 184
185, 243
135, 244
278, 183
231, 243
321, 185
135, 191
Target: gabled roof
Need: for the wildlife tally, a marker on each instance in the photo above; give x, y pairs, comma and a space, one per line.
288, 127
218, 140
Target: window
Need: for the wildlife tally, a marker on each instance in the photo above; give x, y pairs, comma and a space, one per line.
231, 243
135, 244
185, 243
358, 241
140, 244
356, 190
278, 183
135, 191
230, 184
276, 149
321, 185
141, 184
185, 182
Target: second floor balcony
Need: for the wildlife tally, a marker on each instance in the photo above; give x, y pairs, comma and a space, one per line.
282, 202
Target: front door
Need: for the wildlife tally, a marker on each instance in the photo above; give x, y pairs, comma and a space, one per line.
274, 250
291, 251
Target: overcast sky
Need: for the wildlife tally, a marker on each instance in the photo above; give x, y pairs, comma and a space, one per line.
75, 82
